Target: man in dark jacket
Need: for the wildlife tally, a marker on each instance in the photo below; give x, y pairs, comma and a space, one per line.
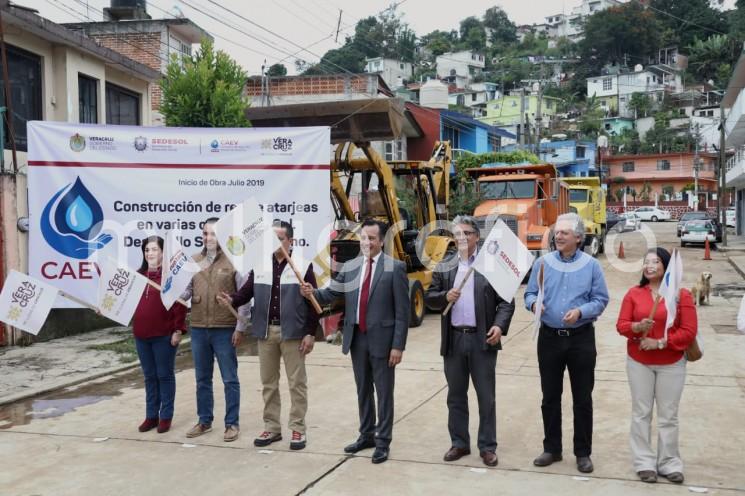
471, 333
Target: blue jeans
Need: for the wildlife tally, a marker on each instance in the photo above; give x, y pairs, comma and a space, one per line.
206, 345
157, 358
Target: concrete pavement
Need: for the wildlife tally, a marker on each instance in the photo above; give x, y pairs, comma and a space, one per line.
85, 441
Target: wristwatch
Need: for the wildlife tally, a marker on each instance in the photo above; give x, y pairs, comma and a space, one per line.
660, 344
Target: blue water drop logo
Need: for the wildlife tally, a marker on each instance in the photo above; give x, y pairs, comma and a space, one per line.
72, 219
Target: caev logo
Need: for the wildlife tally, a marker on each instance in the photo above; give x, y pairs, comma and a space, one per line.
140, 143
72, 220
77, 142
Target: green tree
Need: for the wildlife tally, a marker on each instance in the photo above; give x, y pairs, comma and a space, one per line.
646, 191
438, 42
501, 29
640, 103
469, 23
737, 21
707, 58
687, 20
592, 119
204, 90
618, 31
276, 70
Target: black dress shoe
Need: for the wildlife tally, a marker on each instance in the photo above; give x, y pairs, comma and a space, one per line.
490, 458
360, 444
584, 464
456, 454
545, 459
380, 455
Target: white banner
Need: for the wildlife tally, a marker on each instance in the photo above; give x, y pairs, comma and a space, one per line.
25, 302
178, 269
97, 191
503, 260
246, 236
119, 292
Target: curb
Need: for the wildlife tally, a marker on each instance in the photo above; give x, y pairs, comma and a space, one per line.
115, 370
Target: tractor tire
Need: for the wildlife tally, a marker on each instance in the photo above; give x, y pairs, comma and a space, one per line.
416, 300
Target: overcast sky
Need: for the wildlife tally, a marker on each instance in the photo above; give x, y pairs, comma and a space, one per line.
307, 26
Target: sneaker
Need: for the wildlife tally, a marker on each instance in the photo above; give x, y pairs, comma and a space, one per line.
231, 433
298, 441
198, 430
148, 424
164, 426
266, 438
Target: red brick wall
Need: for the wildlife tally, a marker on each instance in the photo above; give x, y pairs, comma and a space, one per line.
141, 47
312, 85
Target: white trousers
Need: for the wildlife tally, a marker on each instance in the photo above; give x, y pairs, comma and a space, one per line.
661, 384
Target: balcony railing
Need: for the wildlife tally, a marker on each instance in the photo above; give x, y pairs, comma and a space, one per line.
737, 158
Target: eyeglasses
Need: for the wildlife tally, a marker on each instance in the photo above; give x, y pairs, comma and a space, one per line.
461, 234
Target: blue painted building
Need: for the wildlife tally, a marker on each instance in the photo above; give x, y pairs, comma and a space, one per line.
466, 133
572, 158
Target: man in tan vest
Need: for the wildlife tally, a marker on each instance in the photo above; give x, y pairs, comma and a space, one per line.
215, 333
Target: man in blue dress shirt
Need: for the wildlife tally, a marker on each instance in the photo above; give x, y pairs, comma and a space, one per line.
574, 295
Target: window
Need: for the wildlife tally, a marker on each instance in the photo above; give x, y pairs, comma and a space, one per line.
401, 66
628, 167
473, 97
663, 165
580, 152
122, 106
607, 84
24, 69
87, 99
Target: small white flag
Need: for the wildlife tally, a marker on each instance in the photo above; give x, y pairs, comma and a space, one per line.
25, 302
670, 287
119, 292
503, 260
178, 269
246, 236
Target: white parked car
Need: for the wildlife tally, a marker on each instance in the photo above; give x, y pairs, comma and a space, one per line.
698, 231
731, 218
631, 222
653, 214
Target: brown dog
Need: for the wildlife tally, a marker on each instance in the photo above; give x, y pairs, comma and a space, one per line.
702, 290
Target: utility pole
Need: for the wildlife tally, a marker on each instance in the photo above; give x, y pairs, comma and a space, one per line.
722, 174
338, 25
696, 165
522, 119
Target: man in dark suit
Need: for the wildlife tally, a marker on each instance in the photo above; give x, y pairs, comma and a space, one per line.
376, 306
471, 334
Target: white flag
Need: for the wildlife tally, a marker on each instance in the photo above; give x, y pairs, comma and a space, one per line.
178, 269
25, 302
503, 260
119, 292
246, 236
670, 287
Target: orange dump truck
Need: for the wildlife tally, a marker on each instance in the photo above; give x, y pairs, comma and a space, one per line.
528, 198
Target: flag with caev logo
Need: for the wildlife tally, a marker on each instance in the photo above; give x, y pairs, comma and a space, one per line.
25, 302
178, 269
246, 236
119, 291
503, 260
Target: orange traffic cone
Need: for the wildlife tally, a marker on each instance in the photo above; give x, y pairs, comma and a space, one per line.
707, 253
621, 254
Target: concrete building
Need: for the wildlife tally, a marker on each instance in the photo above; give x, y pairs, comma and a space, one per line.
505, 112
572, 158
130, 31
571, 26
734, 128
475, 97
394, 72
57, 74
460, 68
667, 174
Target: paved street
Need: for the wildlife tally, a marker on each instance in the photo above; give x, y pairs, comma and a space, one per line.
85, 441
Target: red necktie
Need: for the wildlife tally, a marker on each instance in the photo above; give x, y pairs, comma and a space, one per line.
364, 295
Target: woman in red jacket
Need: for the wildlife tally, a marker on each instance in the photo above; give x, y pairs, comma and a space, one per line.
157, 336
656, 368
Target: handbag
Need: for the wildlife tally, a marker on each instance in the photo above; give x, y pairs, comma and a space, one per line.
694, 352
